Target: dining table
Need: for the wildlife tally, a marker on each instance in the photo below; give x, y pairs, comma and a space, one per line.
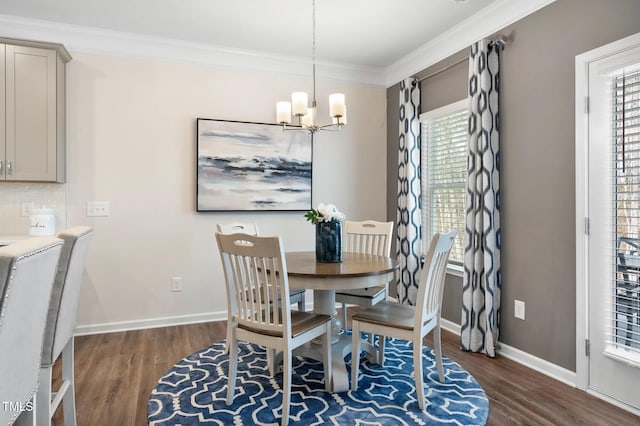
357, 270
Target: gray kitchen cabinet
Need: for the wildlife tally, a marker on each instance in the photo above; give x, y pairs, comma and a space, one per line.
32, 115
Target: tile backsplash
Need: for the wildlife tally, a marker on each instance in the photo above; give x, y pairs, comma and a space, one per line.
14, 194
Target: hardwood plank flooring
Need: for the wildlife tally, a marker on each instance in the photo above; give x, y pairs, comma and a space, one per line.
116, 372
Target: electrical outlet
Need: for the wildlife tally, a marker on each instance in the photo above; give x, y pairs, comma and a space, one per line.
98, 208
25, 208
518, 307
176, 284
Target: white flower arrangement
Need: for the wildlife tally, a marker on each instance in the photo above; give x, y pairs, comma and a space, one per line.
324, 213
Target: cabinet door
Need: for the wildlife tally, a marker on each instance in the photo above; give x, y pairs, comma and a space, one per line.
30, 114
2, 114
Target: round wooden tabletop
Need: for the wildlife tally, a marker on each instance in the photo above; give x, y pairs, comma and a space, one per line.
304, 264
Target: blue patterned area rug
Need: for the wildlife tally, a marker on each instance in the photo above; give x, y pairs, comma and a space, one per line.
193, 392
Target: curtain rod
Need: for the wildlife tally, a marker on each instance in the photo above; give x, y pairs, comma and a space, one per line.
501, 41
441, 70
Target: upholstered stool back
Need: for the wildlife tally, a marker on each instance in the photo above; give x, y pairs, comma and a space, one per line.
61, 324
27, 272
63, 309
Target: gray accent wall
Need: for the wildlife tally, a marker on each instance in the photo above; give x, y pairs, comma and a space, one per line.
538, 165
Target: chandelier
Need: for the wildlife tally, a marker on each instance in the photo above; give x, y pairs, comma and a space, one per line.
298, 107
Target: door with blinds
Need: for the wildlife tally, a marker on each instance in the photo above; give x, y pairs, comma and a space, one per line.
613, 227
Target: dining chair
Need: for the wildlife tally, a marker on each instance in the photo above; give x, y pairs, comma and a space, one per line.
368, 237
413, 323
295, 295
27, 271
61, 324
256, 265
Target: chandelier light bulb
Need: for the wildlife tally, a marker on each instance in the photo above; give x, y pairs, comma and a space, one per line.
309, 119
341, 121
299, 103
283, 112
337, 107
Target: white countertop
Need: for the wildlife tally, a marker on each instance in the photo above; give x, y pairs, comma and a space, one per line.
5, 240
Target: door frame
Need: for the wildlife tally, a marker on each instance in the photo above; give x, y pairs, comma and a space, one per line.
582, 201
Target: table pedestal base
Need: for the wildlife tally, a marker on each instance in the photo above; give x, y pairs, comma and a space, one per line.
339, 349
324, 302
358, 270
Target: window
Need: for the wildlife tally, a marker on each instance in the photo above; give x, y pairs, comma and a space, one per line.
444, 174
626, 177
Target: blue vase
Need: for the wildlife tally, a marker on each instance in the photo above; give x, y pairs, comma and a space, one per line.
329, 241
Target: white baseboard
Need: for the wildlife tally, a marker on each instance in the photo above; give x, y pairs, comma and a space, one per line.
613, 401
450, 326
112, 327
531, 361
543, 366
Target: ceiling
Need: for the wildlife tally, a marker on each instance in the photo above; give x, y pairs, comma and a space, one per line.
363, 33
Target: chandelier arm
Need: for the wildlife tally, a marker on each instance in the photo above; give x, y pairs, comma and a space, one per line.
333, 126
288, 128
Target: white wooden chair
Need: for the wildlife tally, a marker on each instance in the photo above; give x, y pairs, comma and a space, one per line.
61, 324
369, 237
27, 271
295, 295
256, 266
407, 322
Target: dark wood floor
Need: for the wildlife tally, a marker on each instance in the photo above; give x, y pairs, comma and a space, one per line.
116, 372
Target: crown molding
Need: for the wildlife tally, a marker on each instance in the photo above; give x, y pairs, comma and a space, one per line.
484, 23
81, 39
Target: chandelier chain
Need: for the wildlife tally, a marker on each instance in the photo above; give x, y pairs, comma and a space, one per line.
313, 50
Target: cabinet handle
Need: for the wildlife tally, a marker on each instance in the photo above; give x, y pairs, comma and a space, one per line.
1, 171
8, 168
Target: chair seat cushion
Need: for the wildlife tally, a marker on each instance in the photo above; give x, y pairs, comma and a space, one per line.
300, 322
389, 314
303, 321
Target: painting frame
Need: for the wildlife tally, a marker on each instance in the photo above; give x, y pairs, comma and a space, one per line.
252, 166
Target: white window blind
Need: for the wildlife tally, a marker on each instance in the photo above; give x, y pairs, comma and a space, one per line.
444, 174
626, 192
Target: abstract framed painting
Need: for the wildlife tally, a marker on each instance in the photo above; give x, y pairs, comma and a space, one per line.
244, 166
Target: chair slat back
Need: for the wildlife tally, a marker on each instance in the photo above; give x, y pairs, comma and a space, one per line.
369, 237
256, 276
430, 289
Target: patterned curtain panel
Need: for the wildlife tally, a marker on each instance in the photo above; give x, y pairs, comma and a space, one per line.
482, 276
409, 218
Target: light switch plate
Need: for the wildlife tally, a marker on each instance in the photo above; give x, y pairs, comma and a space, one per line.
518, 307
176, 284
97, 208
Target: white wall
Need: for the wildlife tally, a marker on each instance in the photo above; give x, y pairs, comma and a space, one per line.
131, 141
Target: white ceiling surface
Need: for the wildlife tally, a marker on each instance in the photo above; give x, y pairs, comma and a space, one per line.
366, 34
